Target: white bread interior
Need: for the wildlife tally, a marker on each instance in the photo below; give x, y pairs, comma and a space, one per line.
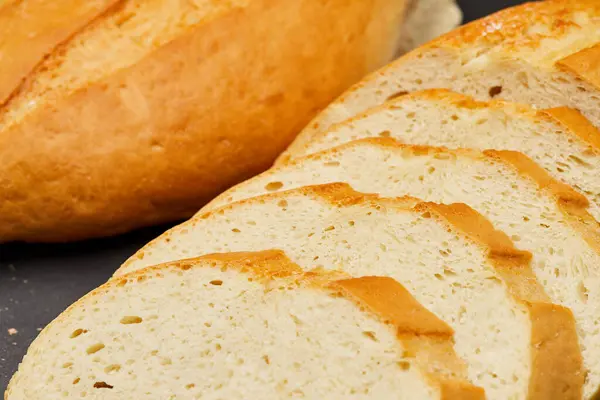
539, 214
560, 140
243, 326
446, 271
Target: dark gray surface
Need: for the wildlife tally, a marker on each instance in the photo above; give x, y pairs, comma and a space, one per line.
37, 282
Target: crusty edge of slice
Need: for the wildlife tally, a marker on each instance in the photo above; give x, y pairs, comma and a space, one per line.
583, 65
557, 363
570, 120
424, 336
572, 204
554, 323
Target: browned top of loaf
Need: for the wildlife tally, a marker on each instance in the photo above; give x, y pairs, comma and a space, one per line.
31, 29
97, 176
510, 27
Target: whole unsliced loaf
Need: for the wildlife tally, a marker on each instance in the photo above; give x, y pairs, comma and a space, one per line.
540, 53
515, 342
158, 105
31, 29
540, 214
560, 139
243, 326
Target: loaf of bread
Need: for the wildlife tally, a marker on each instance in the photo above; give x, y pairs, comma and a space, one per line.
540, 214
143, 113
244, 326
432, 242
448, 257
541, 53
560, 140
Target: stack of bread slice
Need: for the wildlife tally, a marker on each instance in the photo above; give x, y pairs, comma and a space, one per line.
419, 240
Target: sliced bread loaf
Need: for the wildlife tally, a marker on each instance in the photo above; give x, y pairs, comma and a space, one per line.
515, 342
243, 326
540, 214
30, 30
560, 140
540, 53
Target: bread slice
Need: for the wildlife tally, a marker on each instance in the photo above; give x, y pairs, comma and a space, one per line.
448, 257
540, 53
38, 26
540, 214
249, 326
560, 140
174, 75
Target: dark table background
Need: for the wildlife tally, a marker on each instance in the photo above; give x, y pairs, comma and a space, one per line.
37, 282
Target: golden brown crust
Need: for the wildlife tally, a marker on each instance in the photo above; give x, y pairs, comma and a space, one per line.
527, 167
448, 96
477, 227
554, 331
584, 64
557, 364
571, 203
510, 27
452, 390
392, 303
555, 343
337, 193
424, 336
39, 26
97, 176
511, 263
575, 123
